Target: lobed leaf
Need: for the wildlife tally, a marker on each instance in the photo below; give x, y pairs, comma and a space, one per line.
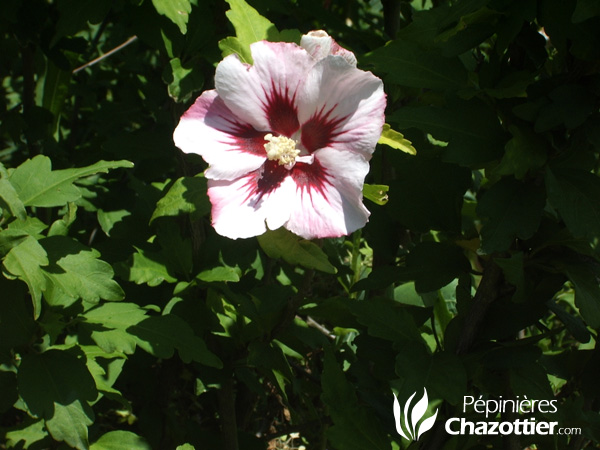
76, 271
38, 185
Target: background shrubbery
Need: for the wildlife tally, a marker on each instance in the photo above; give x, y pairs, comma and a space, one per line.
126, 322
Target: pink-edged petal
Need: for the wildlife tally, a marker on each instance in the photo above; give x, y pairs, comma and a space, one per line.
342, 107
231, 147
245, 207
265, 94
319, 45
328, 201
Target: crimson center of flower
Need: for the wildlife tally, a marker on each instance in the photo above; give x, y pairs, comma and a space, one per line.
281, 149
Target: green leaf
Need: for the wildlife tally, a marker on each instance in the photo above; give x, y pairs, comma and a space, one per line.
26, 434
182, 81
186, 196
232, 45
185, 447
585, 9
524, 152
149, 268
428, 202
9, 196
8, 394
283, 244
249, 25
56, 89
178, 11
514, 273
269, 358
76, 271
109, 219
10, 238
70, 422
220, 274
433, 265
105, 368
531, 381
576, 195
377, 193
56, 386
354, 427
442, 373
587, 291
386, 319
471, 129
570, 105
396, 140
25, 261
510, 209
38, 185
161, 335
31, 225
75, 15
107, 325
61, 227
409, 64
574, 324
17, 326
121, 440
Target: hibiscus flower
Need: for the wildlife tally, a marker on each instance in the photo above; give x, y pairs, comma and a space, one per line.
287, 139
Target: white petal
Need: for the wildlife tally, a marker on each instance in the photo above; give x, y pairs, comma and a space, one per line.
342, 106
266, 92
333, 208
319, 44
229, 146
239, 213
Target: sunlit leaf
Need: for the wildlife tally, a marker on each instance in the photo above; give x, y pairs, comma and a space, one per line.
25, 261
120, 440
396, 140
187, 195
377, 193
38, 185
295, 250
178, 11
249, 26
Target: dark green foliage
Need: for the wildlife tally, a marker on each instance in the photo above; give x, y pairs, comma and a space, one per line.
126, 322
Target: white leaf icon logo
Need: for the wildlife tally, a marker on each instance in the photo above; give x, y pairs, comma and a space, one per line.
397, 415
413, 429
427, 424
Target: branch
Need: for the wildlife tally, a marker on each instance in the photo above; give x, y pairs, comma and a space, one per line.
487, 292
227, 413
106, 55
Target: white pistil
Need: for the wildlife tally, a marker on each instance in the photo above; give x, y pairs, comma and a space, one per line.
281, 149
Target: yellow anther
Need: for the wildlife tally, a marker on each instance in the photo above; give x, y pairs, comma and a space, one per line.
281, 149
